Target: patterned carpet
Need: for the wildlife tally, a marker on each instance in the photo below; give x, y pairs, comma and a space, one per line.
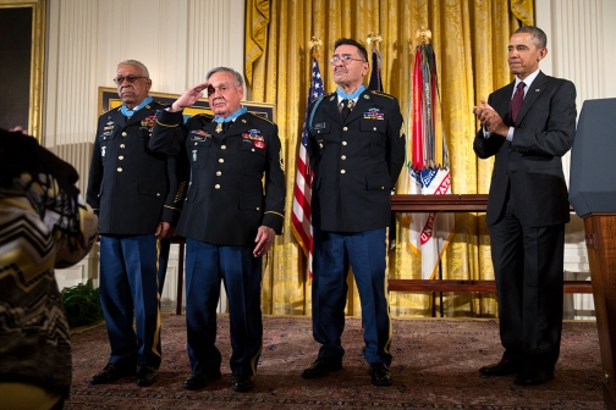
435, 367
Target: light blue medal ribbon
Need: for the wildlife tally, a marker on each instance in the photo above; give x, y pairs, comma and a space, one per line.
351, 96
230, 118
129, 113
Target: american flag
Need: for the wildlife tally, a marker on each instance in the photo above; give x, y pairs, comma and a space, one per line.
300, 219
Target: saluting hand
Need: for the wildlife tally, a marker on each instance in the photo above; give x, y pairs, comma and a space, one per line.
190, 97
264, 240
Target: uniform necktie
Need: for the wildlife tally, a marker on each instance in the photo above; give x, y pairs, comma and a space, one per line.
347, 106
516, 101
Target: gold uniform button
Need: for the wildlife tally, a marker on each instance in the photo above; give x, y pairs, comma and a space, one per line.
223, 147
196, 143
121, 157
218, 173
342, 171
320, 145
344, 143
345, 128
119, 169
124, 134
374, 128
221, 160
258, 209
158, 194
217, 186
382, 188
343, 157
122, 146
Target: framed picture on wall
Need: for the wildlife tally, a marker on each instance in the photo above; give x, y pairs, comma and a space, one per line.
108, 99
22, 52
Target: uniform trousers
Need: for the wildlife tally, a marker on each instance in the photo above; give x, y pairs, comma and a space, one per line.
129, 291
240, 271
365, 253
528, 267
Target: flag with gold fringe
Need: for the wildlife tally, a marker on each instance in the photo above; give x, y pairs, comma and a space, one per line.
427, 162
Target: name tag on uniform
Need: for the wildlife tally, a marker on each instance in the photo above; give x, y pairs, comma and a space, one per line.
319, 126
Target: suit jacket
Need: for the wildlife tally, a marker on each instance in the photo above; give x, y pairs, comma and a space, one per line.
356, 162
130, 187
531, 164
226, 200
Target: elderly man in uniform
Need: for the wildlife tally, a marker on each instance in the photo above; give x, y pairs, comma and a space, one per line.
136, 194
229, 220
356, 151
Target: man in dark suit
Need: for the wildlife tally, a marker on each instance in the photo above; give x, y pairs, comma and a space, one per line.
136, 194
528, 125
229, 220
356, 152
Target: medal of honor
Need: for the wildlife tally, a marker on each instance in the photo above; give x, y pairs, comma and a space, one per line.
219, 127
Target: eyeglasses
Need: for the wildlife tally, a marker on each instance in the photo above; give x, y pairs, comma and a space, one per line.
131, 79
345, 58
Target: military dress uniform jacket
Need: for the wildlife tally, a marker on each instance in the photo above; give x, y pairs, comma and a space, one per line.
356, 162
226, 200
130, 187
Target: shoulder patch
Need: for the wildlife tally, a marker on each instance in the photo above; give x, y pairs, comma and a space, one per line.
382, 94
262, 118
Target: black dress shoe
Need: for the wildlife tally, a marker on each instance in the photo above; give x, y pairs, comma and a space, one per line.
381, 376
111, 373
320, 368
199, 381
502, 368
533, 377
146, 375
242, 383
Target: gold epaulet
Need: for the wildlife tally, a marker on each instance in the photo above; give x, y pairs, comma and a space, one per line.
262, 118
381, 93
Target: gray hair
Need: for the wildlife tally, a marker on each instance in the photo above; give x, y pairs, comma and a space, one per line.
139, 64
537, 35
238, 77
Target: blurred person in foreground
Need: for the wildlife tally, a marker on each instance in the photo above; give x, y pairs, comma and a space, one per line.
44, 224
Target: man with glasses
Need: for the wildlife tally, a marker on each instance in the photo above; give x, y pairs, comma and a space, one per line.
137, 196
234, 207
356, 150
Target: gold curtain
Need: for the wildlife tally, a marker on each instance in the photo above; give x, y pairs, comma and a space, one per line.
470, 39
